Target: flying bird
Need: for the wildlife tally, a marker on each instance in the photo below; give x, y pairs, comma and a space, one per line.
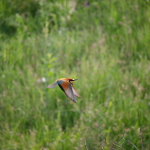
66, 85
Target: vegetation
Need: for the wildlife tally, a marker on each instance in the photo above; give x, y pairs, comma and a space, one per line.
104, 44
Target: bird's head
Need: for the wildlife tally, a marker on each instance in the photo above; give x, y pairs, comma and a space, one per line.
72, 80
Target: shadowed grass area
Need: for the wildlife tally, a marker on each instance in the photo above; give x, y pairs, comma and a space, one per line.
105, 45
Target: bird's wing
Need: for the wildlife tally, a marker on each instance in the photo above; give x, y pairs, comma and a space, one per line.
52, 85
74, 91
67, 89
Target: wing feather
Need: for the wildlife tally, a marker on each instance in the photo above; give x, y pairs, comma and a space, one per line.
52, 85
68, 92
74, 91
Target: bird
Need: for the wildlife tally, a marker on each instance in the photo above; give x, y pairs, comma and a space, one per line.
66, 85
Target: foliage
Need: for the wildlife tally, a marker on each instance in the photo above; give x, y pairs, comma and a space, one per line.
105, 44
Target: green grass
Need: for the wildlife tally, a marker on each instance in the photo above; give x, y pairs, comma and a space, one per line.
105, 46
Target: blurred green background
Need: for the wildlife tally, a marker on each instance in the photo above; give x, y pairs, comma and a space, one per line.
105, 44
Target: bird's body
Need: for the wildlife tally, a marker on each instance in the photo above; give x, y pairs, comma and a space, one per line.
66, 85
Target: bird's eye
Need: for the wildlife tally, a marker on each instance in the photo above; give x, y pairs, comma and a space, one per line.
71, 81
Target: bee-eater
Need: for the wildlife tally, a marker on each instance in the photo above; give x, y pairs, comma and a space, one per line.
66, 85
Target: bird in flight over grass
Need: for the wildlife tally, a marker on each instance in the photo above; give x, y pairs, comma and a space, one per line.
66, 85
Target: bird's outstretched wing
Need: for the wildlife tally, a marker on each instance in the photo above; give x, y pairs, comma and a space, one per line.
52, 85
74, 91
67, 89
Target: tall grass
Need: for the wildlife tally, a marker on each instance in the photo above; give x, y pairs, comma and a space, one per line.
104, 44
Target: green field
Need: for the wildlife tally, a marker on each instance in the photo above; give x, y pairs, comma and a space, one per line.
105, 44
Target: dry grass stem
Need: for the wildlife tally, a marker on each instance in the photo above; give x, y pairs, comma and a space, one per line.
86, 145
140, 129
